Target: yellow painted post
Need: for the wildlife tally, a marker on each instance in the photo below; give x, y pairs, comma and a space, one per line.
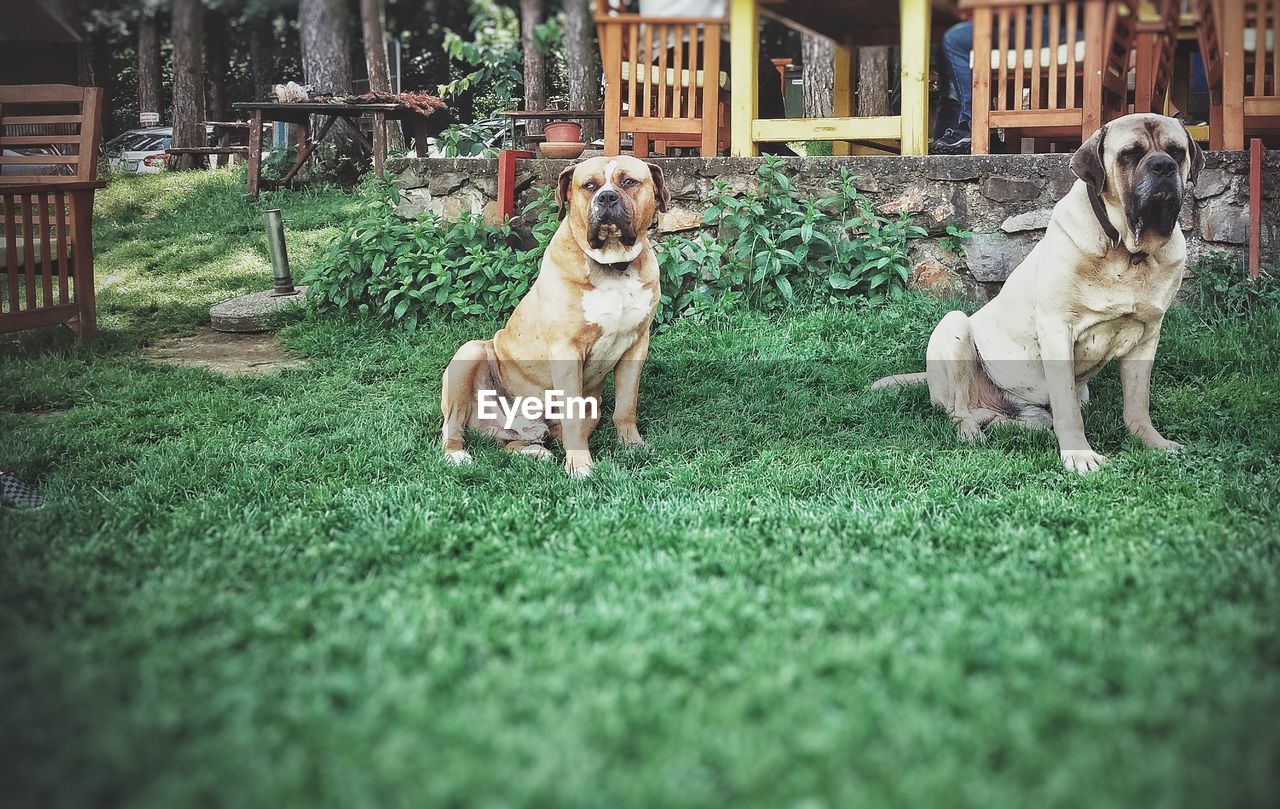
744, 55
915, 75
842, 100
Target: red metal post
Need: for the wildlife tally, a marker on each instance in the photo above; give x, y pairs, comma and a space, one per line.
507, 179
1256, 155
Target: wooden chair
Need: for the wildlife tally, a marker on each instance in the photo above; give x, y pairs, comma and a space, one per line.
662, 81
1239, 41
1157, 42
1055, 88
49, 137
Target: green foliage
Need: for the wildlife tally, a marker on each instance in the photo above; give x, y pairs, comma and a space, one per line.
777, 249
953, 241
409, 270
780, 247
466, 140
1223, 288
279, 160
490, 61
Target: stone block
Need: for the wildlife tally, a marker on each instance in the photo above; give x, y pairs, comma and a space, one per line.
1222, 221
1011, 189
1211, 183
676, 220
445, 182
992, 256
936, 279
954, 169
1030, 220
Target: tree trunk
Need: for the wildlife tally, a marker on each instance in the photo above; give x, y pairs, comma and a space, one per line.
149, 83
187, 30
326, 60
373, 21
873, 81
584, 63
262, 56
535, 87
818, 74
215, 62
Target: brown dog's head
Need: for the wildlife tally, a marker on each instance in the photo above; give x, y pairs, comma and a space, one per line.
1141, 163
609, 203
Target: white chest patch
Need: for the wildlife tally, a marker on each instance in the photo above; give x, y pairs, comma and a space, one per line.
618, 303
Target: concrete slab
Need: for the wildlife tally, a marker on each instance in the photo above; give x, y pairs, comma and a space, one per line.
250, 313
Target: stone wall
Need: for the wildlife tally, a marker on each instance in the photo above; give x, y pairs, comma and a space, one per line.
1005, 200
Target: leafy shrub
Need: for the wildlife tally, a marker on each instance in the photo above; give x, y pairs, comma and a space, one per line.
411, 269
776, 249
782, 247
1222, 286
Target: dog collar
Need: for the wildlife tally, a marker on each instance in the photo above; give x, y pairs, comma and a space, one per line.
619, 267
1108, 229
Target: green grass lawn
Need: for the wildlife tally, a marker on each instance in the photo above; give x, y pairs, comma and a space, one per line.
271, 592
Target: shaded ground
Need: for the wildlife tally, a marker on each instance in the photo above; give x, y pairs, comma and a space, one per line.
228, 354
267, 590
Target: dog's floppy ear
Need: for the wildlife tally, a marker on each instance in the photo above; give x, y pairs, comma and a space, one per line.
1197, 156
659, 186
1087, 161
562, 191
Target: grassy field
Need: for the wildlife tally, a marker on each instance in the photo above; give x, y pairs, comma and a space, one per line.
271, 592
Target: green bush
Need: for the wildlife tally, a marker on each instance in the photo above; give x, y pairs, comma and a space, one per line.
411, 269
1222, 286
775, 249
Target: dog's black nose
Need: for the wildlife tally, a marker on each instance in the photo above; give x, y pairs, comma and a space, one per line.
608, 197
1162, 164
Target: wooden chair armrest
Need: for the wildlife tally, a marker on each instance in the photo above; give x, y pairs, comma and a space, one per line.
45, 188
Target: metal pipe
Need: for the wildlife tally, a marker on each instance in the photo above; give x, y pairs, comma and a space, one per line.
279, 255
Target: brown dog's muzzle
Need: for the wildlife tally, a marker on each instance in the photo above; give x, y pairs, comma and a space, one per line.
612, 217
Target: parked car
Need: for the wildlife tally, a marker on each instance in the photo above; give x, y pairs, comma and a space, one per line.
34, 169
143, 151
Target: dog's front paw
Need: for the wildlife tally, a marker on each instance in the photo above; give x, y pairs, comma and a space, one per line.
577, 464
458, 457
1153, 440
1082, 461
629, 435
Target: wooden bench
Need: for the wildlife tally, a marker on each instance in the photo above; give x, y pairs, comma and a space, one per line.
49, 140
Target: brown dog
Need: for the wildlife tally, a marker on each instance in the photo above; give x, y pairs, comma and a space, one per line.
587, 314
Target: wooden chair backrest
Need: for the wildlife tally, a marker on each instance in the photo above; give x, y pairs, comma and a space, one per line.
49, 133
661, 60
1019, 27
1262, 63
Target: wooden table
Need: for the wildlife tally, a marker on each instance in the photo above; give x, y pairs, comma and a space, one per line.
849, 23
300, 115
546, 116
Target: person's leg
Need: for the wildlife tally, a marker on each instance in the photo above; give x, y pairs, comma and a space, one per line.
770, 103
953, 125
957, 45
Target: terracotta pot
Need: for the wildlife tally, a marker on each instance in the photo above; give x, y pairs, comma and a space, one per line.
563, 132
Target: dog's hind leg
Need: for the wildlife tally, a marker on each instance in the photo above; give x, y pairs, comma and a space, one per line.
951, 365
458, 398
